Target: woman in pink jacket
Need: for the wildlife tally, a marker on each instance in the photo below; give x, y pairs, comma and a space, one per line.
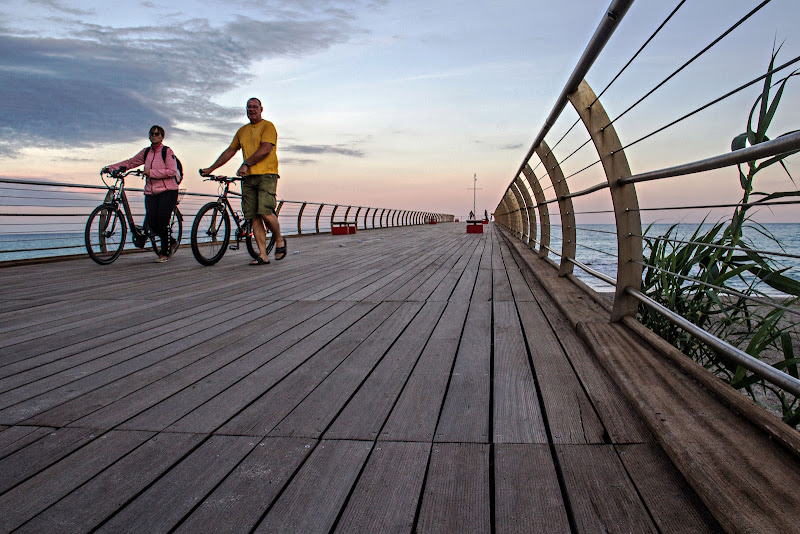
161, 187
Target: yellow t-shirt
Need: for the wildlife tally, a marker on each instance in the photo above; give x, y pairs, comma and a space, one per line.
249, 138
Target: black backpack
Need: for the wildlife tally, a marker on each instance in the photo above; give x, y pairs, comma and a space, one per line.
164, 157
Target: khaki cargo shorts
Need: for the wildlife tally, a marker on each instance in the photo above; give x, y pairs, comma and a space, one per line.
258, 195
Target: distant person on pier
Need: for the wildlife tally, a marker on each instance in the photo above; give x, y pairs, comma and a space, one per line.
160, 188
485, 215
258, 142
471, 215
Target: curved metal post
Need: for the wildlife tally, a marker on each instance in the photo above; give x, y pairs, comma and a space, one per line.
530, 210
564, 205
626, 202
319, 212
333, 214
380, 220
300, 219
542, 207
347, 212
373, 217
522, 214
366, 214
355, 217
507, 200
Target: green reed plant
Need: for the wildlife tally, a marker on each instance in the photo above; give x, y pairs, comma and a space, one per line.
694, 275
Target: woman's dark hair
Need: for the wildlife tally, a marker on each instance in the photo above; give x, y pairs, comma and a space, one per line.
156, 128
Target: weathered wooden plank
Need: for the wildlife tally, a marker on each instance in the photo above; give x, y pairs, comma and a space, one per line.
29, 498
457, 497
308, 506
674, 505
600, 492
77, 357
696, 432
367, 411
517, 415
620, 420
159, 508
88, 506
466, 414
265, 412
15, 438
212, 414
28, 461
416, 412
387, 493
155, 360
519, 287
621, 423
246, 356
527, 494
448, 284
570, 414
451, 257
466, 283
401, 265
313, 416
483, 282
501, 287
240, 501
99, 358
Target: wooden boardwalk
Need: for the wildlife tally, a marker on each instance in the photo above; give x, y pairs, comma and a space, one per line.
398, 380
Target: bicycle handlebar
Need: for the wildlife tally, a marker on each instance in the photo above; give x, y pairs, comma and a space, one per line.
121, 172
220, 178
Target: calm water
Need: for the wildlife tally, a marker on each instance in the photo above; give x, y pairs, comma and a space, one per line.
597, 247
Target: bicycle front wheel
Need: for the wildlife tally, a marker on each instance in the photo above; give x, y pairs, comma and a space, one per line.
105, 234
252, 246
211, 233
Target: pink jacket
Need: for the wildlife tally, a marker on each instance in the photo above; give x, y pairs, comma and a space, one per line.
162, 174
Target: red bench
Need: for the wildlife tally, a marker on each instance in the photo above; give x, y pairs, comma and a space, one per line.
474, 227
343, 227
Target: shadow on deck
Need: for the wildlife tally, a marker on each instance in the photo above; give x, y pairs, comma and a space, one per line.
400, 380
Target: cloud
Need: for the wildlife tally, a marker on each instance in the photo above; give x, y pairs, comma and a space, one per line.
324, 149
100, 84
60, 7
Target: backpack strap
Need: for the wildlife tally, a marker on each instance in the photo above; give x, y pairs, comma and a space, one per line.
163, 152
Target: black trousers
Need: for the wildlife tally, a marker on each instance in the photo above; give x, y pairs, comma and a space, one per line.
158, 210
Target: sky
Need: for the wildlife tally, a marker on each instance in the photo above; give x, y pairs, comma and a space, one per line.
379, 103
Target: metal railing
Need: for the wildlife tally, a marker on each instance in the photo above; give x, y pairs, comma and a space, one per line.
545, 191
47, 219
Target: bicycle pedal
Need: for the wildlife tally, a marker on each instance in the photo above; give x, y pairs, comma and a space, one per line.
233, 247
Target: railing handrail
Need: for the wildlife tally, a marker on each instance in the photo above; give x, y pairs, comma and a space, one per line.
614, 14
388, 216
517, 209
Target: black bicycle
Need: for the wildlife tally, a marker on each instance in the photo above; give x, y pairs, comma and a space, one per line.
211, 231
106, 229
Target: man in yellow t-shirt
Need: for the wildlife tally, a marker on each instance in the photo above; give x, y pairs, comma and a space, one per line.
258, 142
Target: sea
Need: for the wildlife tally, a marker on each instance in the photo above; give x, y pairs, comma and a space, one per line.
597, 246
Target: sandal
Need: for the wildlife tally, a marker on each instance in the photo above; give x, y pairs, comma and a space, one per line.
259, 261
281, 251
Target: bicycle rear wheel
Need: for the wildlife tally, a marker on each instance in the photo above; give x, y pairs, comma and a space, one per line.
174, 231
105, 234
252, 246
211, 232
